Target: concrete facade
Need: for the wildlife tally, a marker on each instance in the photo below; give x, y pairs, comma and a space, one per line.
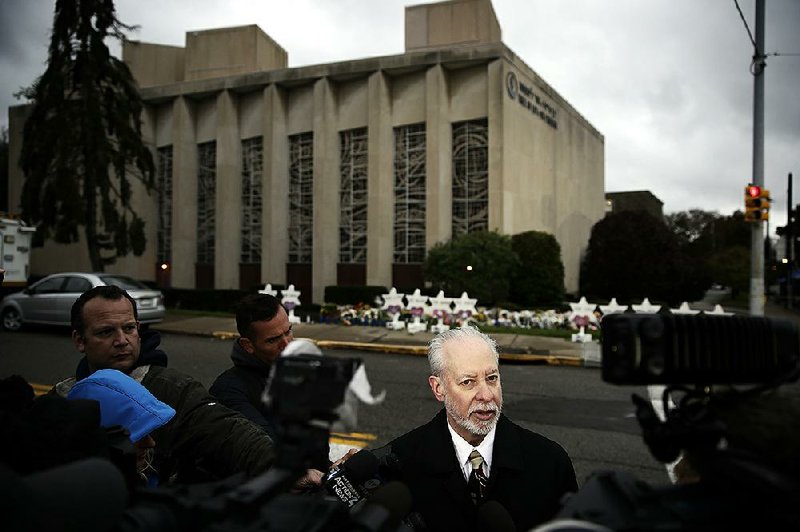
545, 161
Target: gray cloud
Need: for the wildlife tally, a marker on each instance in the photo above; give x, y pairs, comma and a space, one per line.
666, 81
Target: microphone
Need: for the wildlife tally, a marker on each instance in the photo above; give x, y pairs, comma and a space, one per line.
351, 481
493, 517
86, 495
384, 509
390, 468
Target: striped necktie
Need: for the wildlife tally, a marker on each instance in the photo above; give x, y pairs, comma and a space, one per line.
477, 479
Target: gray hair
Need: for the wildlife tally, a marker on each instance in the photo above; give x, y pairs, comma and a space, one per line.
436, 346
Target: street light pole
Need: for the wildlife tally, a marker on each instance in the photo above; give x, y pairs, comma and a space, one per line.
757, 235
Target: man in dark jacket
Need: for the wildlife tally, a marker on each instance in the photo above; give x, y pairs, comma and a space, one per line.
204, 435
265, 332
469, 453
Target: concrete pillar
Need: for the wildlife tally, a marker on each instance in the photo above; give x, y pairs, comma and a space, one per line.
439, 158
275, 188
325, 255
380, 193
501, 217
228, 197
184, 194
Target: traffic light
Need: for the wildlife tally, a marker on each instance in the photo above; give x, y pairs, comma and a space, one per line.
765, 201
756, 204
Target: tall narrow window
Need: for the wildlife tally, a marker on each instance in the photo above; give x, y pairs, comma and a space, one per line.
353, 196
164, 187
301, 197
470, 176
409, 194
252, 152
206, 183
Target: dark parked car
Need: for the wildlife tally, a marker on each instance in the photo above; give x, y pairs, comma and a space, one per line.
49, 300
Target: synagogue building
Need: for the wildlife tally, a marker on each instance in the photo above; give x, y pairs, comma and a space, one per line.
346, 173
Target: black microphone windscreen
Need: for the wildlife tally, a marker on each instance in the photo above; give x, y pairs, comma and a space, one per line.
384, 510
390, 467
394, 496
361, 467
85, 495
493, 517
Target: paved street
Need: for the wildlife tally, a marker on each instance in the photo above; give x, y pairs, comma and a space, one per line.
571, 405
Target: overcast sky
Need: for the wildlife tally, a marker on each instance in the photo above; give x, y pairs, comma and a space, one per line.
667, 82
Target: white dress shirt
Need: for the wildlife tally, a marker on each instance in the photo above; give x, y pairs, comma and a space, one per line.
464, 448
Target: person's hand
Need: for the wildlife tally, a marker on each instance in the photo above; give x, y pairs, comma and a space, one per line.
309, 481
344, 458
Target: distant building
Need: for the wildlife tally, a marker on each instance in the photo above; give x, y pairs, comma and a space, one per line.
636, 200
347, 173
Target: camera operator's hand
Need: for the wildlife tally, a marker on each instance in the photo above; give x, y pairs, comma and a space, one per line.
309, 481
344, 458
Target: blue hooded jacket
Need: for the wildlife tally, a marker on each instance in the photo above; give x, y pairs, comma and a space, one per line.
123, 401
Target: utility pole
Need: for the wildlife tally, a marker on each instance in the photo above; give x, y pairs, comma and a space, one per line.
757, 236
789, 246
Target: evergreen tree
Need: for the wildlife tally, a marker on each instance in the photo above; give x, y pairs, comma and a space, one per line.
82, 142
632, 255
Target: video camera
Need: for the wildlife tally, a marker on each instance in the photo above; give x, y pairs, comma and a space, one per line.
698, 350
719, 373
303, 391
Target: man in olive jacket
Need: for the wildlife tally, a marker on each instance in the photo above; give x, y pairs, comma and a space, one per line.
204, 436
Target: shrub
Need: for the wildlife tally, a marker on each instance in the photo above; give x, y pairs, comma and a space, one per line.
352, 295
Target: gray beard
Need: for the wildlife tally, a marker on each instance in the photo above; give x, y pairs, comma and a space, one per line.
476, 428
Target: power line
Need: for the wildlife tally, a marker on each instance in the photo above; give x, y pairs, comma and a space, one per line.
744, 21
759, 62
755, 47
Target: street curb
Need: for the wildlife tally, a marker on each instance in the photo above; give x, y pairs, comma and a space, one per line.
420, 350
508, 354
417, 350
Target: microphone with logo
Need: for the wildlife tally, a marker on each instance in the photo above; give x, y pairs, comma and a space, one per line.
353, 479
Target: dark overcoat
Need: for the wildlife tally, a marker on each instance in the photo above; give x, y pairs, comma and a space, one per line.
529, 475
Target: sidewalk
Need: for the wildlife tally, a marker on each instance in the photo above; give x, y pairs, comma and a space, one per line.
512, 347
516, 347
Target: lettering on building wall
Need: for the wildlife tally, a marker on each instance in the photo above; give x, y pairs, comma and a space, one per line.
531, 101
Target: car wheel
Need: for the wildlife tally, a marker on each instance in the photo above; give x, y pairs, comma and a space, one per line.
12, 320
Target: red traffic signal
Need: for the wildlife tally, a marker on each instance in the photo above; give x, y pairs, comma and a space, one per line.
756, 202
753, 191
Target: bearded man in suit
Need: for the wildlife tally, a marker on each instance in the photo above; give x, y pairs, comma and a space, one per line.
470, 453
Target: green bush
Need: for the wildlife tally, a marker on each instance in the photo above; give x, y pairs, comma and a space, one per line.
352, 295
479, 263
208, 300
539, 279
